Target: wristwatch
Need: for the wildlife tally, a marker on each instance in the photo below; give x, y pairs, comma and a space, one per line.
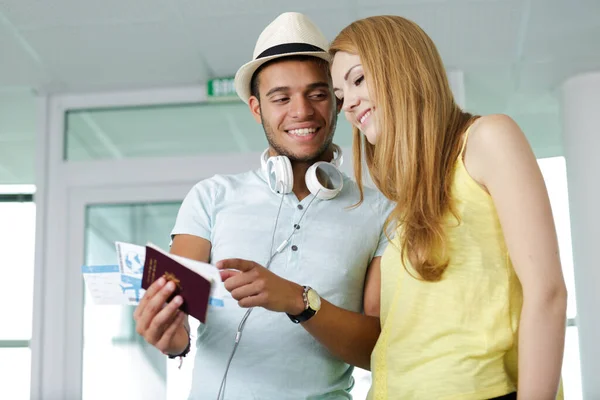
312, 304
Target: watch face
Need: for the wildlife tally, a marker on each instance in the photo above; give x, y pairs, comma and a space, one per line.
314, 300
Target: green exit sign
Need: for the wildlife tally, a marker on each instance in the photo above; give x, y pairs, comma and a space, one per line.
221, 89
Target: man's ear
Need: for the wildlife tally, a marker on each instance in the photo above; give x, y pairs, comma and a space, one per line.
338, 104
254, 105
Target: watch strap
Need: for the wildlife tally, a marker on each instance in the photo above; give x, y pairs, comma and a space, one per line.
308, 312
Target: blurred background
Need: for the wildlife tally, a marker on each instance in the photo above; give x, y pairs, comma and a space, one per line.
111, 110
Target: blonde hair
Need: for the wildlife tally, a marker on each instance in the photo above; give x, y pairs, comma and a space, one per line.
421, 129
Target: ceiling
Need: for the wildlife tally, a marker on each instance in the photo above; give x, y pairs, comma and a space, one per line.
514, 54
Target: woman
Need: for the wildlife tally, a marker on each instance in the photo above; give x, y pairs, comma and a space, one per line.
473, 301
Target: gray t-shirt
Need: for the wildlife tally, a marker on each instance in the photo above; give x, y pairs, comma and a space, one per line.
277, 359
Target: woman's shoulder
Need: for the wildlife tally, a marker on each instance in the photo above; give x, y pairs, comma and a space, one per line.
492, 140
492, 128
493, 133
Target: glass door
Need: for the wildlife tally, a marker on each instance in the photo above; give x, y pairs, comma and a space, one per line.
115, 361
111, 347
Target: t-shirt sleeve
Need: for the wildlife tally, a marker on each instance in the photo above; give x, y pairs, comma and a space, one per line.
197, 212
385, 208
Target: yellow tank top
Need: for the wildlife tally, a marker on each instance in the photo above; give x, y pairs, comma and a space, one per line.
456, 338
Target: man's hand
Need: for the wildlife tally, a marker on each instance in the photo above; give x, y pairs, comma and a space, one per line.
252, 285
160, 324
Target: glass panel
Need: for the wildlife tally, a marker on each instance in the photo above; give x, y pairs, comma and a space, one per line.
362, 383
17, 248
555, 176
571, 370
168, 130
554, 171
112, 348
15, 365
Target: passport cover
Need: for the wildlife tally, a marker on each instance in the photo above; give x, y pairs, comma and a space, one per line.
194, 288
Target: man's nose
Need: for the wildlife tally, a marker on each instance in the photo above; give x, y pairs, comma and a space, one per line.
301, 107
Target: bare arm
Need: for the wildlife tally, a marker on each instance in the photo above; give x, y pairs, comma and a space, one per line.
192, 247
500, 158
162, 326
348, 335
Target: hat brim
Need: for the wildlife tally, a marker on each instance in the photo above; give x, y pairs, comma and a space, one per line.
244, 75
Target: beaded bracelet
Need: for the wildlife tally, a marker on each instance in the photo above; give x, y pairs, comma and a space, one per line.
185, 351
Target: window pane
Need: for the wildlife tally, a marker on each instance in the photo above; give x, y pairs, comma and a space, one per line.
15, 367
169, 130
17, 248
362, 383
112, 348
571, 370
555, 175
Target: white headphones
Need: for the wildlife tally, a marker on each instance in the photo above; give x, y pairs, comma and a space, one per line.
280, 177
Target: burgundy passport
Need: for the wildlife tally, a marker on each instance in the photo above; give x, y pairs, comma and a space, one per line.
194, 288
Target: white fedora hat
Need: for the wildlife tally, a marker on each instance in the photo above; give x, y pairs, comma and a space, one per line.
289, 34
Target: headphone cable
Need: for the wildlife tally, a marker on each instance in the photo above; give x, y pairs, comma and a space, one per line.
238, 335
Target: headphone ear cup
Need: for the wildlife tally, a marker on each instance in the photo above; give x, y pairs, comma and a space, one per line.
338, 158
288, 172
329, 172
280, 175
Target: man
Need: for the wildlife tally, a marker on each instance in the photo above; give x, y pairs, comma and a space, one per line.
288, 241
